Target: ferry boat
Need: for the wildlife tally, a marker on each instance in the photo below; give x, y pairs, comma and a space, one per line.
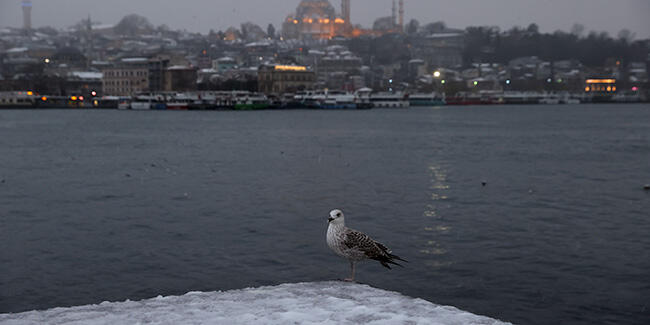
18, 99
142, 102
180, 101
251, 101
389, 100
362, 98
337, 100
430, 99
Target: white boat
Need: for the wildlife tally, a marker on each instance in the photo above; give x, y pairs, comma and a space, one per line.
141, 102
549, 99
337, 100
389, 100
362, 98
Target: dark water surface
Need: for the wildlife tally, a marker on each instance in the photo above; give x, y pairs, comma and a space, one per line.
115, 205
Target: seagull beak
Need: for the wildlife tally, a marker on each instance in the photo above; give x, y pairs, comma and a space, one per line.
330, 219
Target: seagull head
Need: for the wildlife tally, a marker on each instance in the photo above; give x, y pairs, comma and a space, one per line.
336, 216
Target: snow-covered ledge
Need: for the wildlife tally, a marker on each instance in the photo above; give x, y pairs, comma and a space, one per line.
301, 303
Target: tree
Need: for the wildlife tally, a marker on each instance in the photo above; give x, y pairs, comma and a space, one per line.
578, 30
132, 25
252, 32
412, 27
626, 35
533, 28
436, 27
270, 31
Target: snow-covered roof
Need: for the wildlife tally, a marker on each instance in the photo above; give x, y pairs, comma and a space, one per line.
445, 35
17, 50
87, 74
179, 67
302, 303
134, 60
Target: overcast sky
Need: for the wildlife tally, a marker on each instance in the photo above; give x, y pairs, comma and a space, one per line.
203, 15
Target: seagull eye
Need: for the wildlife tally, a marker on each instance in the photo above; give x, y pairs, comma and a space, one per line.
338, 214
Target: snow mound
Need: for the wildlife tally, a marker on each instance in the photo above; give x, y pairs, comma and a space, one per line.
301, 303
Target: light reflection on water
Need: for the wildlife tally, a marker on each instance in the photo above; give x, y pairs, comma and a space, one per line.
432, 248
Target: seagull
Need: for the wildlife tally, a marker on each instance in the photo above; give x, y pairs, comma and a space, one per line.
354, 245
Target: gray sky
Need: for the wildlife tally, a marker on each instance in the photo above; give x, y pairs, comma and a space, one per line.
203, 15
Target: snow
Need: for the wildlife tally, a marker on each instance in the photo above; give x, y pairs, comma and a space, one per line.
87, 75
301, 303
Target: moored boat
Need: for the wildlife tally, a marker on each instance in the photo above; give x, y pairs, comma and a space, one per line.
389, 100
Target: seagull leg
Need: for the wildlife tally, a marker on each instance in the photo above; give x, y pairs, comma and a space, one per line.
351, 278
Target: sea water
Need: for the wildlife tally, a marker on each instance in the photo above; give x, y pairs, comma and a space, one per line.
527, 214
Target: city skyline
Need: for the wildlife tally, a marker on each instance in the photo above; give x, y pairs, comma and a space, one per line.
203, 15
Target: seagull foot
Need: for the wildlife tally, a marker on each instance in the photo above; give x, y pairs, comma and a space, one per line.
348, 280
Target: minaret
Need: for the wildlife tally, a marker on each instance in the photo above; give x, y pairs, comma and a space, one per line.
27, 14
401, 14
394, 13
345, 11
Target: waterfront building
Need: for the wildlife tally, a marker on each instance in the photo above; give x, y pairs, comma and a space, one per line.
157, 66
128, 77
277, 79
600, 87
181, 78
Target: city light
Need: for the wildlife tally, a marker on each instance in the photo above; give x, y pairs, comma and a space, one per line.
46, 60
508, 82
30, 93
443, 81
44, 98
475, 83
635, 88
436, 74
81, 97
94, 93
73, 98
601, 81
587, 89
290, 68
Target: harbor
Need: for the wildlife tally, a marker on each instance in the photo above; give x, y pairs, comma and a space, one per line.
364, 98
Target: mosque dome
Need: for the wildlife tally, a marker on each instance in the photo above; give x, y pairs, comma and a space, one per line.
315, 9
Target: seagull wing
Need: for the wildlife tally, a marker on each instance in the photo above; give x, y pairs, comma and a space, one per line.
374, 250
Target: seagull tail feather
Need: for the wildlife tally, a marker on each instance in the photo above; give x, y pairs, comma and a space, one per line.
395, 257
387, 259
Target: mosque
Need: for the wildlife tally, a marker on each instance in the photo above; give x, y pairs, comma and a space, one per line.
317, 19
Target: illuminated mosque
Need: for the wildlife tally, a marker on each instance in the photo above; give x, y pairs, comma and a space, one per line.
317, 19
